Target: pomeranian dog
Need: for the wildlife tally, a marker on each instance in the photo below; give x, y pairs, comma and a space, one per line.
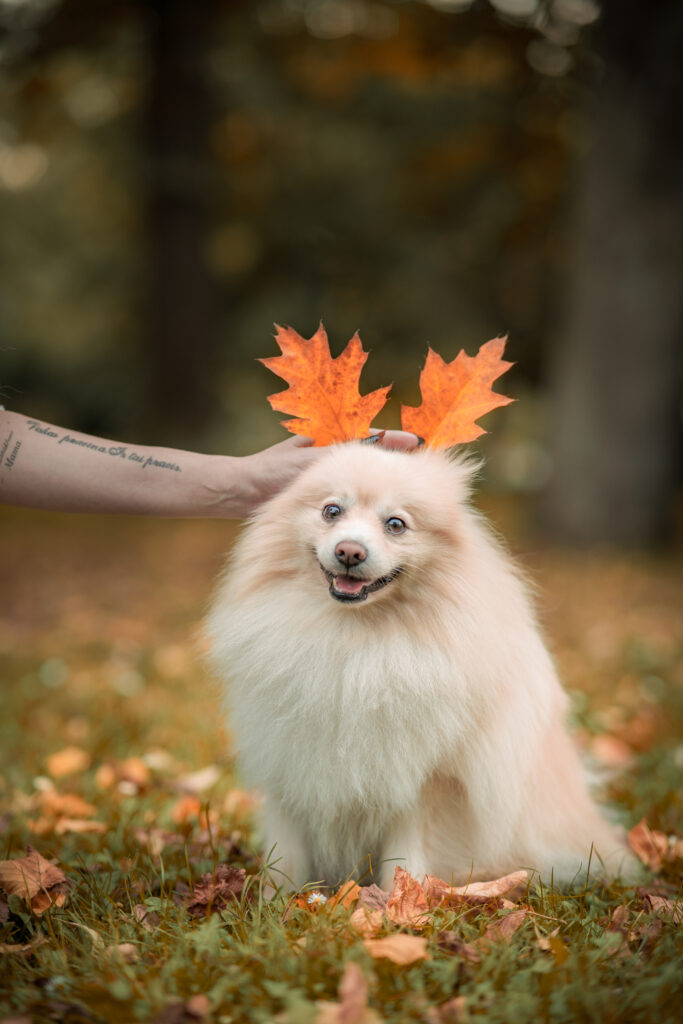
388, 686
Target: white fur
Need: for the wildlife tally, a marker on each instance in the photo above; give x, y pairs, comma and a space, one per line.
425, 724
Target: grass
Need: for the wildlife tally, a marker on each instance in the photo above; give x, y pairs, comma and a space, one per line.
97, 652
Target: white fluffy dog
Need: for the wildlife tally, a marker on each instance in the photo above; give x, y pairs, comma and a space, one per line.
388, 686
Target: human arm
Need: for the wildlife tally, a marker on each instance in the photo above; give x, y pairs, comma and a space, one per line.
45, 466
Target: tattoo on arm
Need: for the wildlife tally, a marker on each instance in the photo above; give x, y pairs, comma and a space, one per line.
117, 451
9, 451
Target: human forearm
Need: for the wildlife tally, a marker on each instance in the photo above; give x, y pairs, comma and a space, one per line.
45, 466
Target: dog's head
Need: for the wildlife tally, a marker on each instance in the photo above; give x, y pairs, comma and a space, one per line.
364, 521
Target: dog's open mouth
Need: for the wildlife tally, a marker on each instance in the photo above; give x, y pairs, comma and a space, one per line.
353, 588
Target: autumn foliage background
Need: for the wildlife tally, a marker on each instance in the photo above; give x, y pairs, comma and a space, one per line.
173, 179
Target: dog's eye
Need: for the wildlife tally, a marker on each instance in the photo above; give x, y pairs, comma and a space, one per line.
332, 512
394, 525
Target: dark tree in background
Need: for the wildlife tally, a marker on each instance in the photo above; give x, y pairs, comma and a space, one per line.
617, 373
180, 354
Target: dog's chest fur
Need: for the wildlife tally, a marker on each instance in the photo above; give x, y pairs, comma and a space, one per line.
340, 726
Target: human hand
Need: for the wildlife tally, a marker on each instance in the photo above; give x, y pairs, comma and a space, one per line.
269, 471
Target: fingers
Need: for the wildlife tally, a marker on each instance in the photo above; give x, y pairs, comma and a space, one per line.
398, 439
401, 440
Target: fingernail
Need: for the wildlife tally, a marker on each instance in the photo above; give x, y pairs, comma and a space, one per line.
373, 439
420, 441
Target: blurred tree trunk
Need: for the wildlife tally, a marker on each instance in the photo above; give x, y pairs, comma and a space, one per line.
617, 373
181, 354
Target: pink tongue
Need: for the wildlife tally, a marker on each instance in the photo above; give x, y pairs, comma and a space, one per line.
348, 585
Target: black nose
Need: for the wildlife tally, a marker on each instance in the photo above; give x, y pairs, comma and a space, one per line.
348, 552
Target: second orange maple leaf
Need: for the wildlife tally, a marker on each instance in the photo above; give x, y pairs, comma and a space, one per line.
456, 394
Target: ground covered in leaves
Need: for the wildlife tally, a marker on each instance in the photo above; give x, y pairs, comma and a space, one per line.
130, 882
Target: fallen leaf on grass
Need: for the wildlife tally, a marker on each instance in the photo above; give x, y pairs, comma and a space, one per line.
125, 950
68, 761
65, 805
544, 940
79, 825
367, 922
476, 894
149, 919
35, 879
407, 904
22, 949
186, 809
668, 910
352, 1007
649, 845
194, 783
452, 1012
452, 943
345, 895
373, 897
619, 919
217, 890
504, 928
612, 751
400, 949
157, 839
189, 1012
239, 803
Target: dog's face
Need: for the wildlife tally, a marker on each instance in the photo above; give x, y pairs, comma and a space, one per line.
363, 521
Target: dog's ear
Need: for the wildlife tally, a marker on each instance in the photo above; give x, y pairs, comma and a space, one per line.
464, 467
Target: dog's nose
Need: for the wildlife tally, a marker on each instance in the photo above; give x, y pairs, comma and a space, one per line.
348, 552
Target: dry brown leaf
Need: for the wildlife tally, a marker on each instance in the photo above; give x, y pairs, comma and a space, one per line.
217, 890
68, 805
456, 394
195, 1009
668, 910
400, 949
407, 904
611, 750
186, 809
22, 949
134, 770
157, 839
373, 897
323, 392
345, 895
475, 894
504, 928
544, 940
352, 1007
194, 783
68, 761
105, 776
239, 803
649, 845
149, 919
35, 879
126, 950
453, 1011
619, 919
64, 825
452, 943
367, 922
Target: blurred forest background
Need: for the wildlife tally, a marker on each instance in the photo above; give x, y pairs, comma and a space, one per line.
175, 177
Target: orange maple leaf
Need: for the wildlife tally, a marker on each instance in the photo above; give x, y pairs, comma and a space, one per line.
323, 392
456, 394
